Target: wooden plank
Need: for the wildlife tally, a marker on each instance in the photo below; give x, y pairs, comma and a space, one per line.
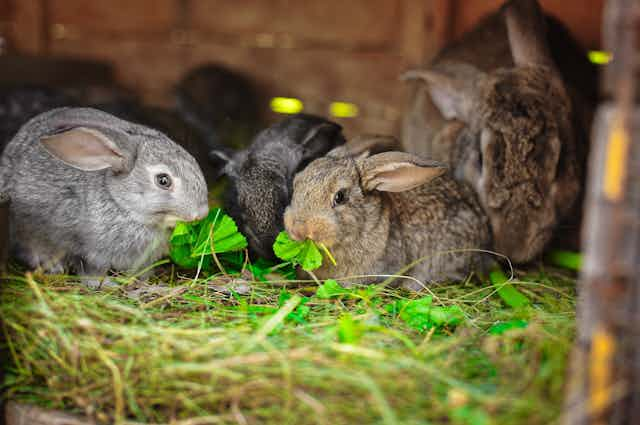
24, 25
337, 23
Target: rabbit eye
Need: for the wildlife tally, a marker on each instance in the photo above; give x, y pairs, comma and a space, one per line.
163, 180
340, 197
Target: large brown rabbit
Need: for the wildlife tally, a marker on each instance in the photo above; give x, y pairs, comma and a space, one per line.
379, 213
496, 107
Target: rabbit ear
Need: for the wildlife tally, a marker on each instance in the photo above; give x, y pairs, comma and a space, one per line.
228, 161
453, 90
367, 143
86, 149
527, 33
314, 146
362, 145
398, 171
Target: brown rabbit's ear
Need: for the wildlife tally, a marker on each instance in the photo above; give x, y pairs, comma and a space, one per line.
371, 143
363, 145
398, 171
453, 89
86, 149
527, 33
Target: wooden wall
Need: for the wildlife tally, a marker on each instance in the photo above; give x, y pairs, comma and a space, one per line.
317, 51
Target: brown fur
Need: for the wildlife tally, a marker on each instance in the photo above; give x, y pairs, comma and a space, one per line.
378, 232
519, 149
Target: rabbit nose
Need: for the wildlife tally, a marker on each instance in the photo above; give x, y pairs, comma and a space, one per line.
199, 213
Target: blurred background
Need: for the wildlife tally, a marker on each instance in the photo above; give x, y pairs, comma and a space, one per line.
332, 57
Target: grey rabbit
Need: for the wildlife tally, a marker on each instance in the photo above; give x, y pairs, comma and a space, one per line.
92, 192
519, 145
261, 176
379, 213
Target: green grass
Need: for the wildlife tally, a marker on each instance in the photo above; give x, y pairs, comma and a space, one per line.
284, 354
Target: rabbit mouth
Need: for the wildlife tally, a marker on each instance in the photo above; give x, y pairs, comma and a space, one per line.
170, 220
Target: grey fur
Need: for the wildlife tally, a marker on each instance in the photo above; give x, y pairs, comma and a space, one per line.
93, 221
261, 177
377, 231
519, 148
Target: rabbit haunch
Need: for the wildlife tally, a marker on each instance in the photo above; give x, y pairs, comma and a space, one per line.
523, 126
379, 213
93, 192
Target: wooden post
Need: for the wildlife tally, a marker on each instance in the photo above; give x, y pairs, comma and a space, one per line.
4, 232
604, 386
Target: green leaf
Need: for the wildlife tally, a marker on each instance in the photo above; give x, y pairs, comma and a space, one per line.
421, 314
446, 316
306, 253
219, 232
349, 330
509, 294
301, 312
470, 415
331, 289
191, 243
416, 313
565, 259
502, 327
286, 248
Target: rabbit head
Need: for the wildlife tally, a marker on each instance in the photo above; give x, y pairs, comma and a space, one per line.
152, 178
519, 122
261, 176
340, 200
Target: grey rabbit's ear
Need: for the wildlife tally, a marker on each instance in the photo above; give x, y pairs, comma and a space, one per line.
314, 146
224, 161
220, 156
453, 88
363, 145
398, 171
220, 159
527, 33
86, 149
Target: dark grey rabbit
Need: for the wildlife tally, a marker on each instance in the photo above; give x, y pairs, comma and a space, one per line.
93, 192
18, 104
523, 127
261, 177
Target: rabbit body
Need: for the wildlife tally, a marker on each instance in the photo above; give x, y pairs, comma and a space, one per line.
85, 194
384, 222
261, 176
521, 146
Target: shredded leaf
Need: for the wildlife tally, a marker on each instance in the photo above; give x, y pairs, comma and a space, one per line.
420, 314
330, 289
509, 294
193, 243
306, 253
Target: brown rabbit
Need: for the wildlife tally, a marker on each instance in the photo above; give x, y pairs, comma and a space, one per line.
379, 213
518, 145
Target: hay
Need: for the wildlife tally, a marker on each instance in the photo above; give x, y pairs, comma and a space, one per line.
193, 355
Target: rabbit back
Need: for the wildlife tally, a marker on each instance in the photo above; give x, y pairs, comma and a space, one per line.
441, 223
